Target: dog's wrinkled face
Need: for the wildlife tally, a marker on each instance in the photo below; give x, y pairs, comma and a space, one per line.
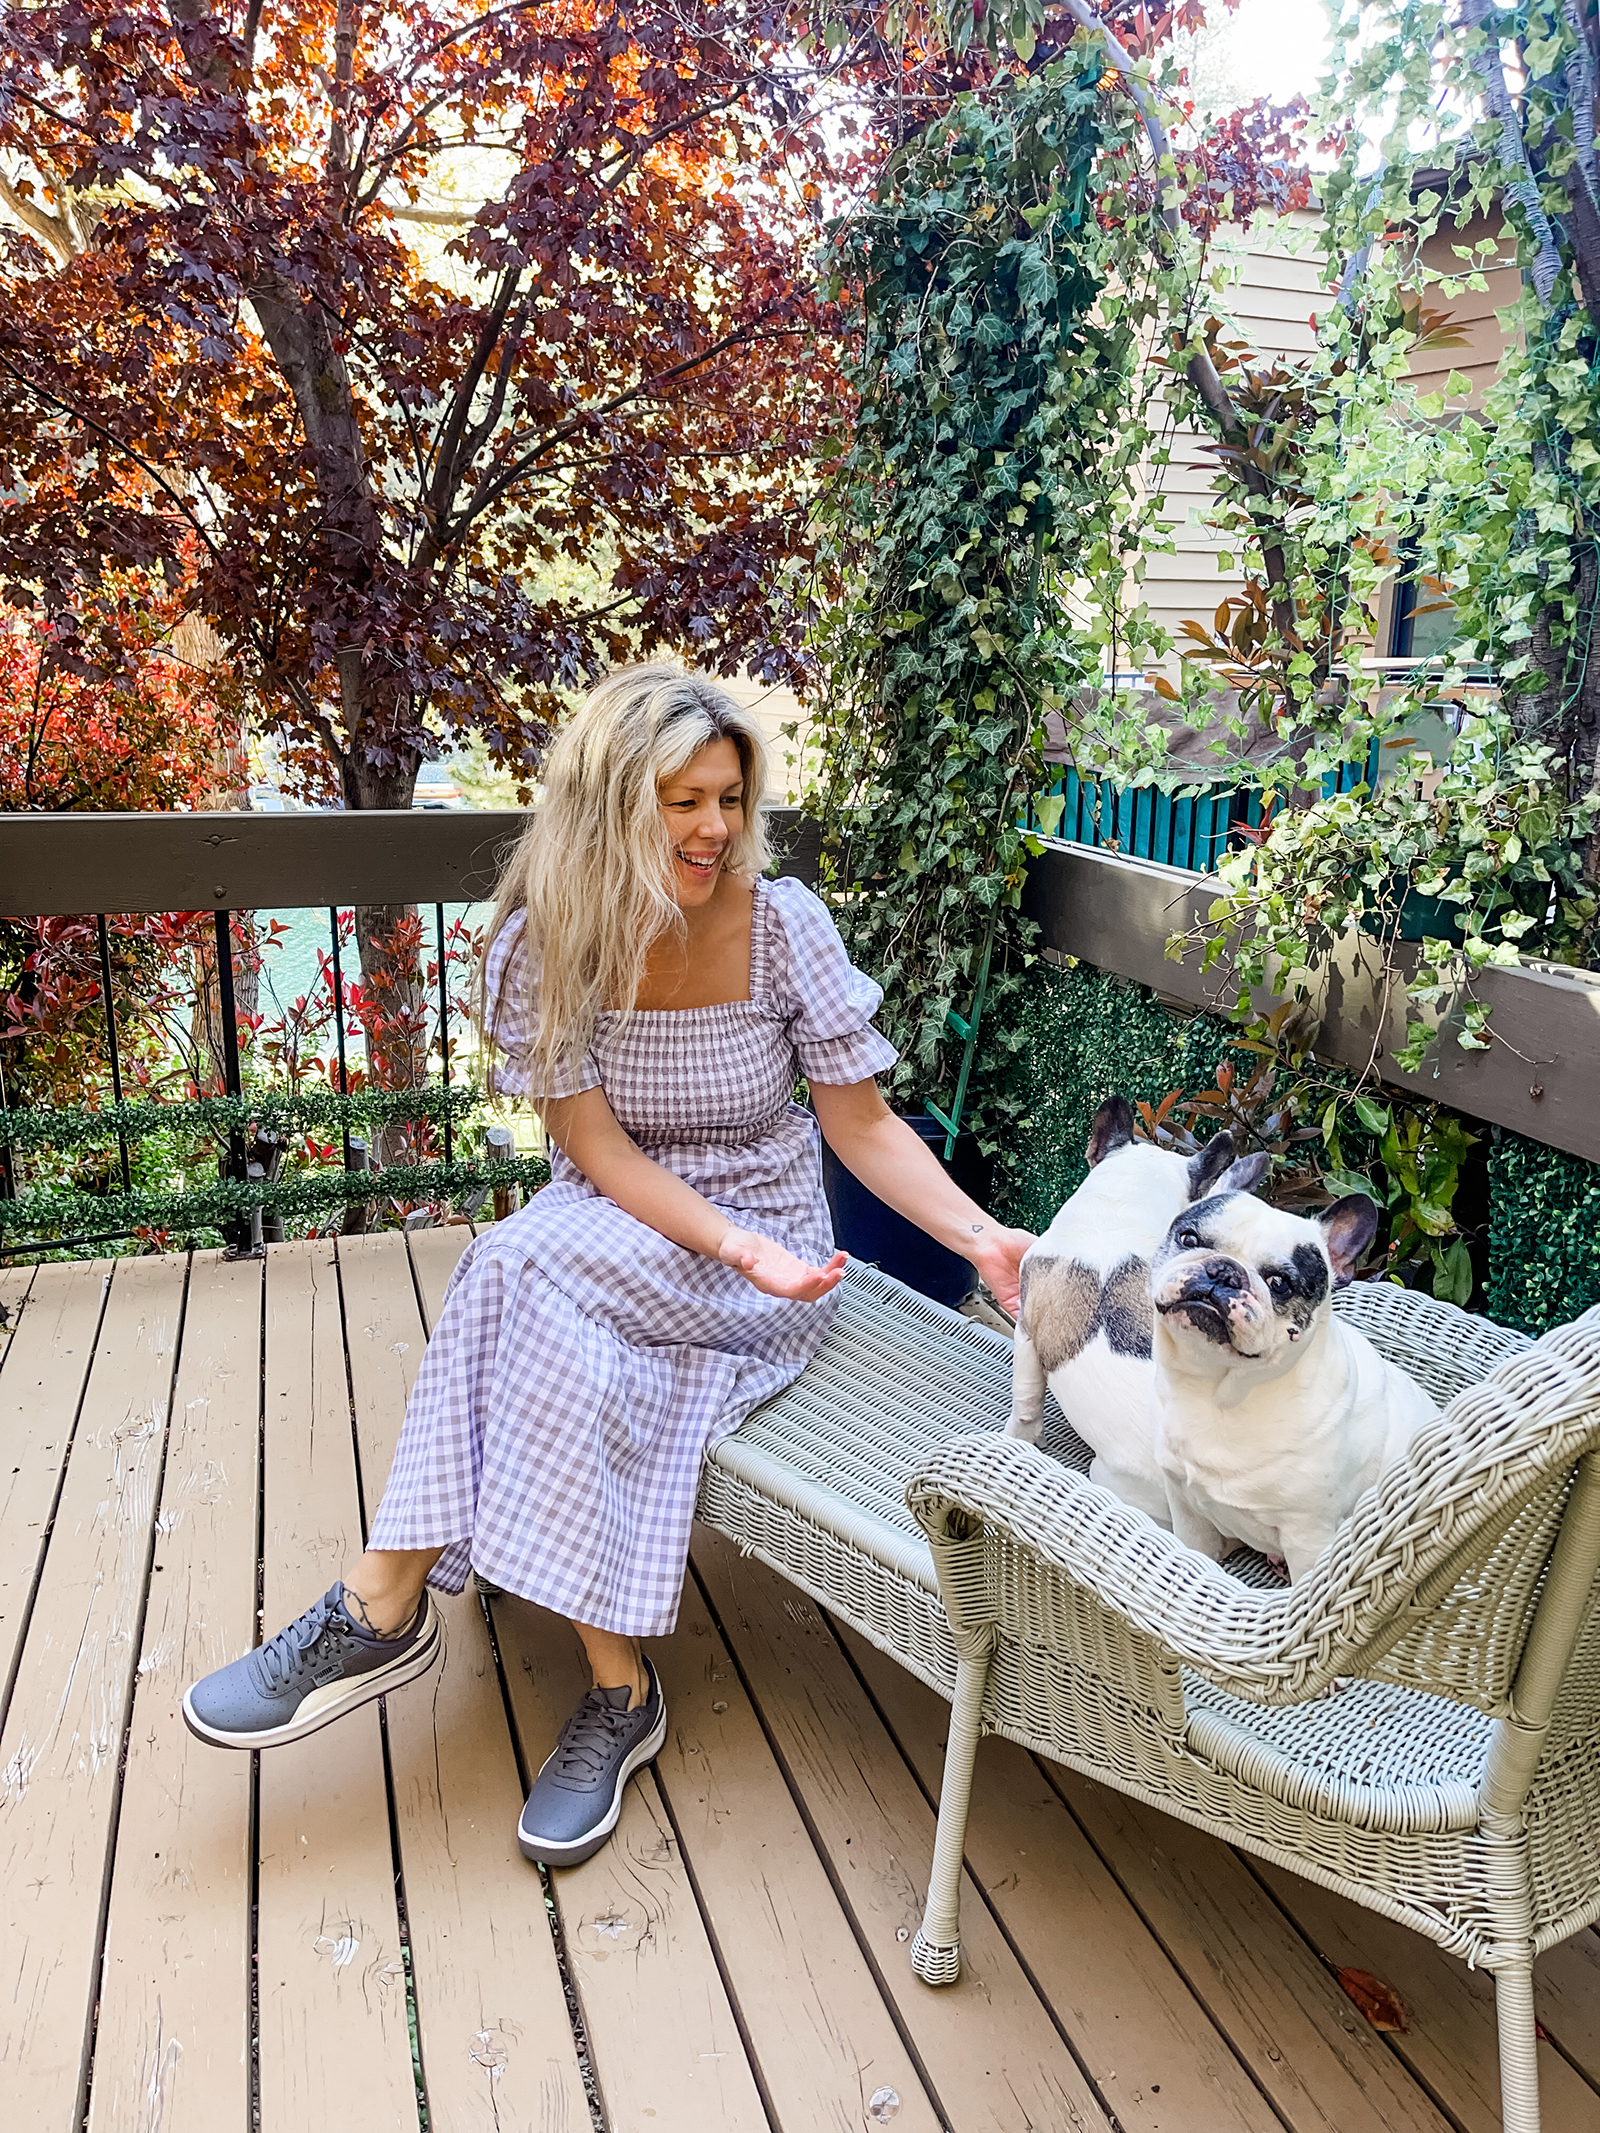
1245, 1283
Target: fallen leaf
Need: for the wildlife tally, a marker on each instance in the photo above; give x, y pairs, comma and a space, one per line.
1380, 2003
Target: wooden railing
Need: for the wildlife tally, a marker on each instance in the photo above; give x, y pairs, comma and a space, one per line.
1104, 908
1540, 1077
114, 866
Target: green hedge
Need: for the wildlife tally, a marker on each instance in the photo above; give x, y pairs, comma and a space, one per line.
1544, 1234
1088, 1035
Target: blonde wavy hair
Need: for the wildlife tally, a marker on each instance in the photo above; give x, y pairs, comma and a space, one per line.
593, 868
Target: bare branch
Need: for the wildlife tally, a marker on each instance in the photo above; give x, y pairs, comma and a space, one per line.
55, 231
1160, 146
436, 217
489, 492
1523, 186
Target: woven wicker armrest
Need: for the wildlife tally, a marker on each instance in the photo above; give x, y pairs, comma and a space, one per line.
1501, 1445
1248, 1641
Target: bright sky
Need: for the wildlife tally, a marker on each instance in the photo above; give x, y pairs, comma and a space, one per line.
1275, 48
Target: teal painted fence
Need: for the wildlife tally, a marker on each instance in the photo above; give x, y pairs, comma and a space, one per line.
1146, 823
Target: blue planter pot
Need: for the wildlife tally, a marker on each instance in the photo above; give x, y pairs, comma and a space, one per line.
868, 1230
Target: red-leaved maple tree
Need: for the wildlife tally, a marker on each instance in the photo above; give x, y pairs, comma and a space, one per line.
438, 354
236, 286
402, 321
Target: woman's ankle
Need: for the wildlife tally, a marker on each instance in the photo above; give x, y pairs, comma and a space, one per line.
383, 1592
615, 1662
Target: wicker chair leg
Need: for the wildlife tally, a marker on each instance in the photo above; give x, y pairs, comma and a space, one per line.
936, 1951
1519, 2050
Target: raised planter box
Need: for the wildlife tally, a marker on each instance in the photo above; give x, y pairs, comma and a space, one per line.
1119, 913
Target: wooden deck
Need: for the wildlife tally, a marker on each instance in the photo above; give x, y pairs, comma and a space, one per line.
344, 1935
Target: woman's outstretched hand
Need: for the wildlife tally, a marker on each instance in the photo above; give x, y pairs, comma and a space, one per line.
775, 1272
997, 1258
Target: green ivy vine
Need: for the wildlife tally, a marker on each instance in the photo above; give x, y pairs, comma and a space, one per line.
1003, 270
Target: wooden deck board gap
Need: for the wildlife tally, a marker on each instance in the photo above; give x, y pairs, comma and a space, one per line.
723, 1970
552, 1910
26, 1623
350, 1390
1107, 2103
252, 1983
114, 1821
419, 2074
1407, 2061
1553, 2039
1456, 2123
802, 1808
397, 1862
1153, 1927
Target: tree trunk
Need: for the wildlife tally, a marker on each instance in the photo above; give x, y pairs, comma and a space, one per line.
1584, 749
389, 943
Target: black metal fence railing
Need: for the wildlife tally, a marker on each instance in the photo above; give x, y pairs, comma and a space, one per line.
119, 867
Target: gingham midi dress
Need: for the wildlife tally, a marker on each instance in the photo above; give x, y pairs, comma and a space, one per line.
583, 1362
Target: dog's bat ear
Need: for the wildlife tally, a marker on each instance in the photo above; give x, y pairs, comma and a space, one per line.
1348, 1227
1110, 1128
1206, 1167
1245, 1175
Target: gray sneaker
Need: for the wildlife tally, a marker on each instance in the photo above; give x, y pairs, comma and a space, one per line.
577, 1796
308, 1675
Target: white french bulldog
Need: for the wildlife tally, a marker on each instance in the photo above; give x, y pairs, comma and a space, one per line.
1271, 1416
1084, 1324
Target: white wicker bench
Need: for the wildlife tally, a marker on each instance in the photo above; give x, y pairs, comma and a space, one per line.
814, 1483
1453, 1784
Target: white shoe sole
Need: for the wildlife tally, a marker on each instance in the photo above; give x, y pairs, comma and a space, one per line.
576, 1850
324, 1705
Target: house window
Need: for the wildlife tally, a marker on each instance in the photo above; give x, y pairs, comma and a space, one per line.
1425, 621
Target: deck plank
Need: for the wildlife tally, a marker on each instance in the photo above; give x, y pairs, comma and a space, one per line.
497, 2046
1139, 2029
172, 2047
63, 1737
1450, 2042
1325, 2070
666, 2045
990, 2048
46, 1359
1569, 2000
15, 1282
335, 2046
823, 2038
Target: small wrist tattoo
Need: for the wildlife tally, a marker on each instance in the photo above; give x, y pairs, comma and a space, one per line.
978, 1228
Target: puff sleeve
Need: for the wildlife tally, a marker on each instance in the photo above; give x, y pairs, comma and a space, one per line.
513, 1031
828, 1004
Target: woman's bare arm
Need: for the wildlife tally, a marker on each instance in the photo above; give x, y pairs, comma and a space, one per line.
883, 1152
586, 1130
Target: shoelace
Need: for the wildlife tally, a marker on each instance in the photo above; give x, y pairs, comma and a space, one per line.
282, 1656
588, 1736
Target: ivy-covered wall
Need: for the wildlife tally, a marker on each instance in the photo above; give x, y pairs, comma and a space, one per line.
1089, 1035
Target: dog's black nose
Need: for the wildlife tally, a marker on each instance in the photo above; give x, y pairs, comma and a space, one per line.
1225, 1274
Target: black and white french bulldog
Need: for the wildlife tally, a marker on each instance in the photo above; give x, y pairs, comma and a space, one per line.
1084, 1325
1270, 1416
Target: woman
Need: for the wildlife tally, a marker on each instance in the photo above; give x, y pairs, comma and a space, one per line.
655, 997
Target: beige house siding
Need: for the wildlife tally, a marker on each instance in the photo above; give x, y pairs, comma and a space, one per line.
1279, 288
775, 707
1473, 311
1273, 298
